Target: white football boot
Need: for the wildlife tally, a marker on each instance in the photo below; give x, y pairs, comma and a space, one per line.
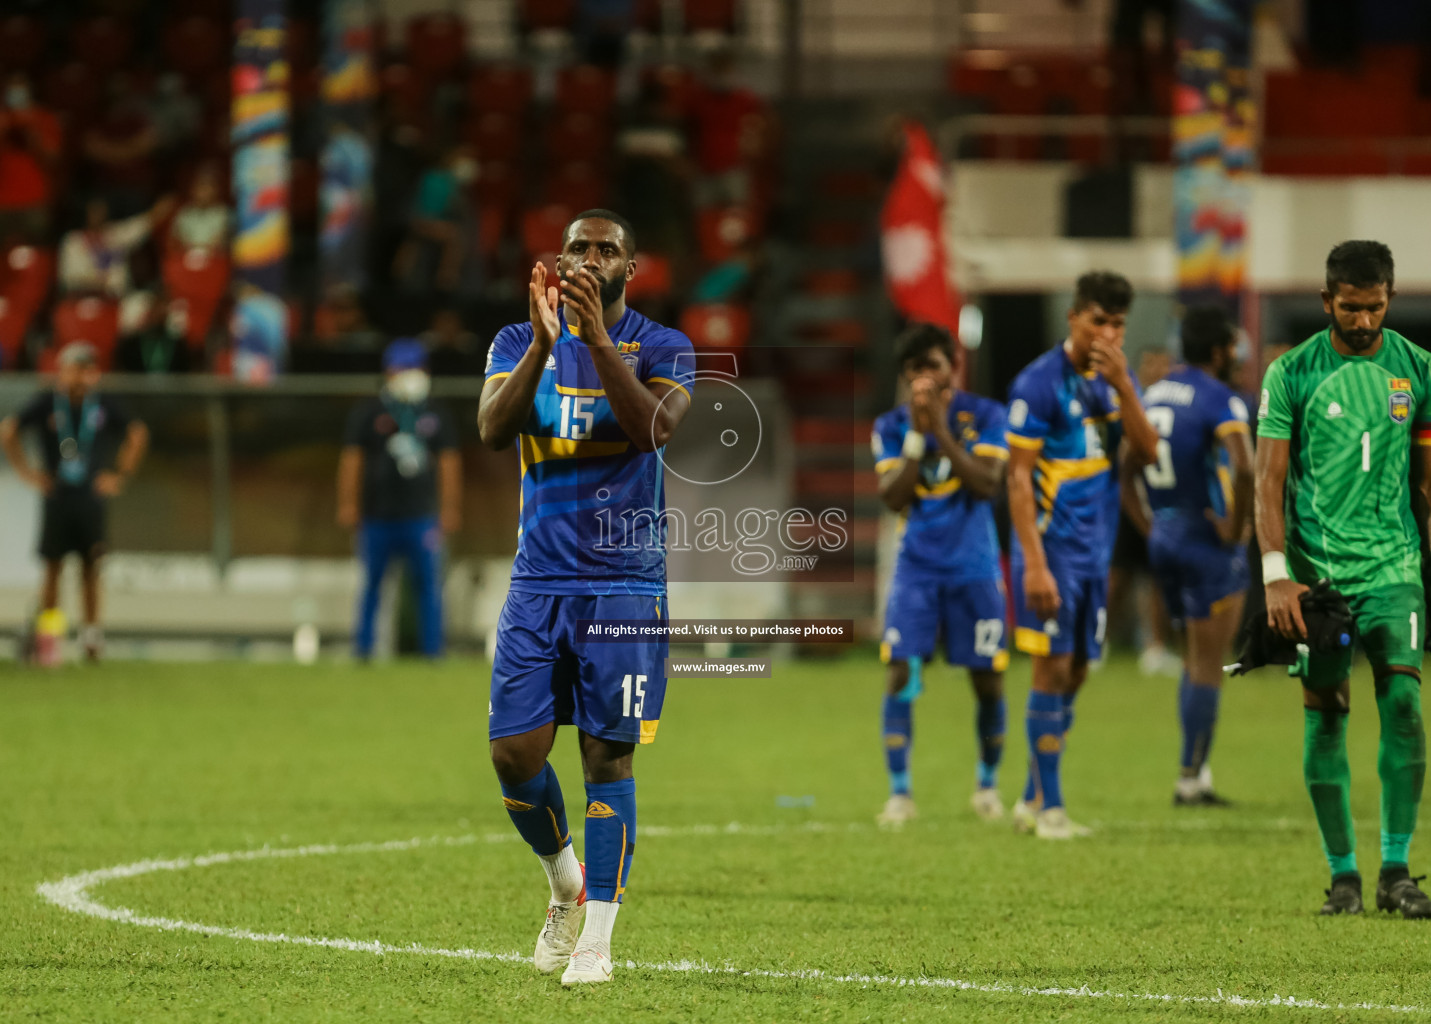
897, 810
1054, 823
558, 936
986, 804
1025, 816
587, 966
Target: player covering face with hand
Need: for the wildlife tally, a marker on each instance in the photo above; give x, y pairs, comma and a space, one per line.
1068, 411
941, 463
591, 391
1344, 424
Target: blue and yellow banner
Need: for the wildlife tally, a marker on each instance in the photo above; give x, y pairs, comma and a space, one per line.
346, 184
1213, 119
260, 186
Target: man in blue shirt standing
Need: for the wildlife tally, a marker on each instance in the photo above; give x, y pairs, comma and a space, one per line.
941, 459
590, 391
1197, 517
1068, 411
400, 486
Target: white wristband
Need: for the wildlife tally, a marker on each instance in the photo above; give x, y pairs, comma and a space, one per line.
914, 445
1274, 567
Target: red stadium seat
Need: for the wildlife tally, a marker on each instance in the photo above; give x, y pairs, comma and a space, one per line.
195, 47
716, 325
25, 276
653, 278
542, 228
498, 187
199, 278
72, 90
91, 320
709, 15
104, 42
577, 185
499, 88
586, 88
497, 136
533, 15
577, 136
436, 44
22, 42
676, 83
722, 231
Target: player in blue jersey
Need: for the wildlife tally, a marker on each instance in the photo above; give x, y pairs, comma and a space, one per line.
1194, 504
591, 391
941, 460
1068, 410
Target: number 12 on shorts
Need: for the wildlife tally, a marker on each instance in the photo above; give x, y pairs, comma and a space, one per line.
628, 685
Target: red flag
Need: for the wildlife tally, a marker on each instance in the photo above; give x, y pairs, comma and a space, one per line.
916, 267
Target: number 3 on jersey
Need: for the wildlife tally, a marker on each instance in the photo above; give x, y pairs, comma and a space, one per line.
577, 416
1161, 474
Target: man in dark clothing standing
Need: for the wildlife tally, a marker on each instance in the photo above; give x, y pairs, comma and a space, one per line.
400, 486
89, 447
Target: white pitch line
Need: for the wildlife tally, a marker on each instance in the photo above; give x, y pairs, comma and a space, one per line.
72, 893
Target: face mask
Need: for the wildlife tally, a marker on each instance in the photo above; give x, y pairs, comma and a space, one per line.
17, 97
410, 386
465, 171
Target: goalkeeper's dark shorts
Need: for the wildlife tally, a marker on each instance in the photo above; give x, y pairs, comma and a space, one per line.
1391, 629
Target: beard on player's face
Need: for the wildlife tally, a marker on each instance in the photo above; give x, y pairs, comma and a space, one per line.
1357, 339
610, 291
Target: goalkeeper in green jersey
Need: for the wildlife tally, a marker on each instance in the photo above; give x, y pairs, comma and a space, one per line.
1341, 415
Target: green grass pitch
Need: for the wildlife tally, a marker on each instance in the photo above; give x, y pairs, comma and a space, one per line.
117, 763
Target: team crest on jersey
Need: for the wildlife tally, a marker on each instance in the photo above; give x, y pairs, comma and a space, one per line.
1399, 406
630, 359
551, 361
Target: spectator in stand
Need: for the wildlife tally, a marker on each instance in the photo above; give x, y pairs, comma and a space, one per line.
452, 349
730, 126
94, 259
341, 325
30, 141
653, 177
121, 150
601, 30
158, 345
400, 488
442, 219
203, 220
176, 115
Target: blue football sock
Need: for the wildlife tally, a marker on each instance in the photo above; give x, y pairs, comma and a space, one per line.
1197, 705
1045, 724
990, 724
610, 838
1068, 699
898, 725
537, 809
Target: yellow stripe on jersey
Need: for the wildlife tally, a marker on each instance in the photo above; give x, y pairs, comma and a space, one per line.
1112, 417
1054, 473
884, 464
1232, 427
539, 449
939, 489
562, 389
1033, 444
648, 731
499, 376
667, 380
992, 451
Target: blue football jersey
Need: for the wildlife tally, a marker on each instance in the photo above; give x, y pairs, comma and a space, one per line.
948, 532
1073, 421
1191, 411
591, 518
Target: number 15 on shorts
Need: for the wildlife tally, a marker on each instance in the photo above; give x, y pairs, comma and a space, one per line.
633, 687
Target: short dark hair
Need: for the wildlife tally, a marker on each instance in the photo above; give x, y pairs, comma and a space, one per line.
1103, 288
627, 231
917, 339
1361, 264
1206, 329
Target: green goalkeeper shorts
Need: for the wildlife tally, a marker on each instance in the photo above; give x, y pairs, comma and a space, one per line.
1391, 628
